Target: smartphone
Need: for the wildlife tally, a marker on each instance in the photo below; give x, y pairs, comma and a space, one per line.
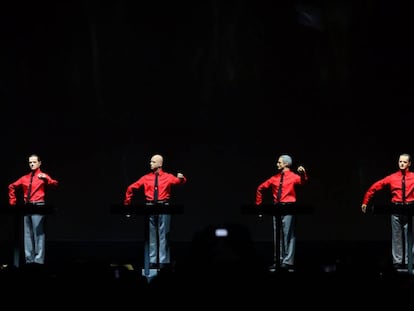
221, 232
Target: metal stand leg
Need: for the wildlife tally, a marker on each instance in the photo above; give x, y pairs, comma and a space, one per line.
148, 271
277, 223
410, 244
146, 245
157, 239
18, 240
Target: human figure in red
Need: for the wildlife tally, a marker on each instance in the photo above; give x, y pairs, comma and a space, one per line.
400, 195
283, 186
33, 186
160, 193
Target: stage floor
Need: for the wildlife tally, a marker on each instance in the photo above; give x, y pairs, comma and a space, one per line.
114, 270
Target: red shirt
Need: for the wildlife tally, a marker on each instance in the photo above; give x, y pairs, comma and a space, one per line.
38, 187
165, 181
394, 183
290, 180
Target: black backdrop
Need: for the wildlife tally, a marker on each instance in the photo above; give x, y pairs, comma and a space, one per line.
220, 89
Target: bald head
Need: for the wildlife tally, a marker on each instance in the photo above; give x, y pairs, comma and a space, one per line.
156, 162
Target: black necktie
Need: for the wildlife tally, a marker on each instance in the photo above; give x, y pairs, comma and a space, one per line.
156, 187
29, 189
403, 188
279, 190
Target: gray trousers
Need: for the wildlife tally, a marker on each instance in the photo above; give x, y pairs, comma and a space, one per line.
287, 239
34, 238
159, 228
399, 238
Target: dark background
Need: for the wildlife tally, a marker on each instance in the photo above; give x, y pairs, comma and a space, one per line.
221, 89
